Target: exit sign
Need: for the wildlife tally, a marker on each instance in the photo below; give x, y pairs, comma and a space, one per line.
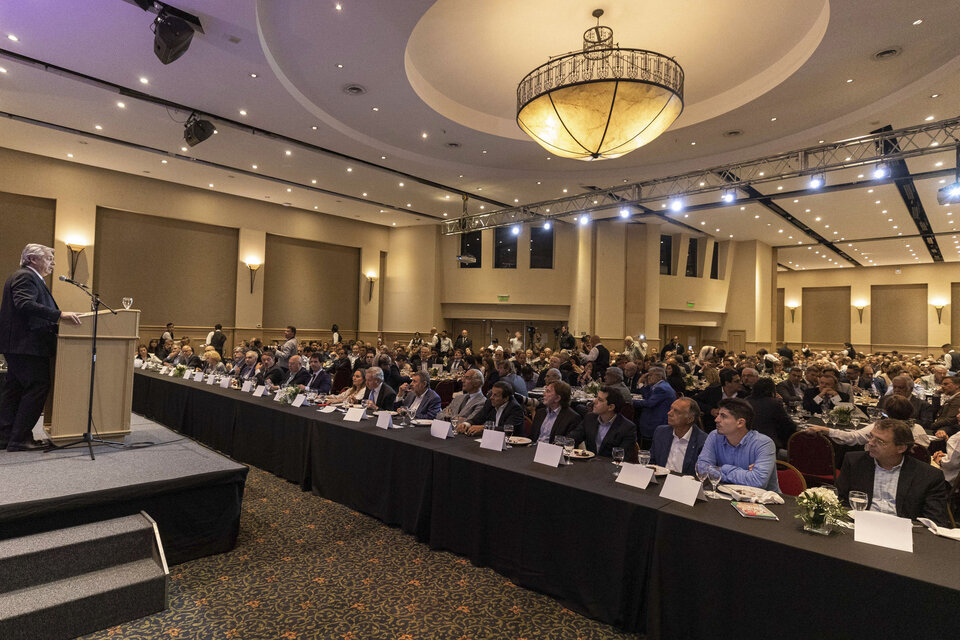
502, 298
690, 304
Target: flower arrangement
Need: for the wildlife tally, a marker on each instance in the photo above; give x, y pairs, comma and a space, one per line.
592, 387
820, 510
689, 381
843, 414
179, 370
434, 372
289, 394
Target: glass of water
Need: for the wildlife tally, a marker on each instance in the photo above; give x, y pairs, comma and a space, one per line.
617, 459
507, 434
127, 302
858, 500
643, 457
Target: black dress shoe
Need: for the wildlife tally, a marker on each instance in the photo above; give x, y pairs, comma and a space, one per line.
26, 446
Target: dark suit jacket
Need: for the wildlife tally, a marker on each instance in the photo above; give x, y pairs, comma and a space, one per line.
663, 440
429, 406
810, 404
274, 374
921, 490
386, 397
709, 399
463, 344
193, 362
322, 383
622, 433
512, 414
28, 316
301, 377
567, 420
771, 419
923, 412
947, 416
787, 392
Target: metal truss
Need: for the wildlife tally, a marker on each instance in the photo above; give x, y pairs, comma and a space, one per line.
871, 150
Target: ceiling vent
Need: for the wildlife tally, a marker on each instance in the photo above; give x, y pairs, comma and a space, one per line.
887, 54
354, 89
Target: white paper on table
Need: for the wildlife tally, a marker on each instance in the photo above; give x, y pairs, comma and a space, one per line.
171, 372
548, 454
682, 489
384, 420
225, 382
210, 379
143, 364
298, 401
328, 409
247, 385
635, 475
258, 392
198, 376
492, 440
164, 370
883, 530
278, 395
441, 429
355, 414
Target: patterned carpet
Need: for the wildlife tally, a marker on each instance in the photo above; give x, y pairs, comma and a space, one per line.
305, 567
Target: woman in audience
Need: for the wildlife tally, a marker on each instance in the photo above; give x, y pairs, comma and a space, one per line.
212, 363
143, 355
769, 416
152, 347
586, 375
335, 330
675, 379
352, 394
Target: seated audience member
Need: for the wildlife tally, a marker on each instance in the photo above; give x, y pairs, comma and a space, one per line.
188, 358
875, 384
744, 456
269, 371
555, 417
748, 378
932, 380
317, 379
949, 460
469, 403
945, 424
457, 363
613, 377
296, 374
212, 363
769, 416
379, 395
248, 370
825, 396
417, 399
677, 444
508, 373
501, 408
709, 399
921, 410
586, 375
143, 355
165, 349
529, 377
631, 376
605, 427
173, 356
674, 377
811, 377
657, 396
895, 483
790, 390
355, 393
391, 372
896, 407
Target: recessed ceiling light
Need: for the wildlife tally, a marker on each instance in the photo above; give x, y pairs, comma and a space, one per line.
515, 199
409, 205
315, 207
183, 149
98, 127
934, 144
780, 188
3, 70
424, 135
693, 144
339, 66
817, 219
12, 37
314, 127
928, 118
756, 217
918, 21
935, 95
564, 190
742, 208
483, 207
349, 169
538, 182
807, 210
364, 194
762, 174
773, 119
849, 80
314, 181
122, 105
444, 214
243, 112
289, 189
288, 152
869, 190
143, 80
338, 7
69, 155
163, 162
254, 166
484, 151
376, 108
210, 185
795, 201
253, 75
400, 184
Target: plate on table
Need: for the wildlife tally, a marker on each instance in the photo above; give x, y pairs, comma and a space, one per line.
658, 470
743, 490
422, 422
519, 440
582, 454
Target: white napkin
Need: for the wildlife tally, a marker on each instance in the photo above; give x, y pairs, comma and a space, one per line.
940, 531
751, 494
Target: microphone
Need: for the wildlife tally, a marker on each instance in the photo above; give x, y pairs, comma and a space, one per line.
74, 282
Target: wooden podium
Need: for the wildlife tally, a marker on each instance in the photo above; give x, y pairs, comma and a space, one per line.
65, 417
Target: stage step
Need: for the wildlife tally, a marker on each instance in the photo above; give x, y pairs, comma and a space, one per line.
67, 583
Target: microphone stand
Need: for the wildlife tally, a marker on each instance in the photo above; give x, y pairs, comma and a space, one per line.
88, 438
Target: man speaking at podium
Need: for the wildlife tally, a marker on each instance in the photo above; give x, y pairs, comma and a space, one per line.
29, 319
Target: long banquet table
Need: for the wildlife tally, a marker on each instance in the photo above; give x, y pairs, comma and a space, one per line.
624, 556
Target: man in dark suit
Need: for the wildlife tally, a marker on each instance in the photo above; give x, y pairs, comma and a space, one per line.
29, 319
317, 379
709, 399
605, 428
946, 424
790, 390
189, 359
923, 412
296, 374
824, 396
677, 444
566, 340
269, 371
248, 370
555, 417
417, 398
895, 483
501, 408
379, 396
463, 342
217, 339
674, 345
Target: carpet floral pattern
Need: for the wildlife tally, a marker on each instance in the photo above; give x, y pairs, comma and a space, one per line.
307, 568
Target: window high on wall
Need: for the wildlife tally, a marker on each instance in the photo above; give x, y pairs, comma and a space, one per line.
504, 248
470, 245
541, 248
666, 255
692, 256
715, 262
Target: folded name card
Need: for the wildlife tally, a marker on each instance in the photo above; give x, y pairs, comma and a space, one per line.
278, 395
247, 385
258, 392
211, 379
682, 489
635, 475
225, 382
198, 376
548, 454
164, 370
384, 420
327, 409
172, 371
298, 401
883, 530
441, 429
355, 414
492, 440
144, 364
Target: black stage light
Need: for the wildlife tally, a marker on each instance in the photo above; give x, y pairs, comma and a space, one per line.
172, 36
197, 130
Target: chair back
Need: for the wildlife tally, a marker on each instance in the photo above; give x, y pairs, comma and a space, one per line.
812, 454
445, 390
527, 427
627, 410
342, 379
792, 482
921, 453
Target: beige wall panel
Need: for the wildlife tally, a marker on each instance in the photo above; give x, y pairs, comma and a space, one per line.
411, 296
175, 271
311, 285
610, 279
953, 319
899, 316
825, 313
24, 219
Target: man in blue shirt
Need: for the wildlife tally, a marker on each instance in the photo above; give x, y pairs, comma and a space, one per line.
744, 456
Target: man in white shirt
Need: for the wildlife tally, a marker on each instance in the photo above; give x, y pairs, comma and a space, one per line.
516, 343
949, 461
417, 399
288, 348
677, 444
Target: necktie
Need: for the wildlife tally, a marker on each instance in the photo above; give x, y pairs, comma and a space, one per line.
373, 396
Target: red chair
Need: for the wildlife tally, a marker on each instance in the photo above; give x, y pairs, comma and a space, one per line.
627, 411
921, 453
527, 427
342, 379
790, 479
812, 455
445, 390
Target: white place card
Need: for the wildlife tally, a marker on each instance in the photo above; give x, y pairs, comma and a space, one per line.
258, 392
171, 372
682, 489
164, 370
144, 364
211, 379
883, 530
384, 420
441, 429
548, 454
278, 395
635, 475
225, 382
299, 400
198, 376
247, 386
355, 414
327, 409
492, 440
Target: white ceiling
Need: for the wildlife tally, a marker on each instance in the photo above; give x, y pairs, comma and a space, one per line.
449, 69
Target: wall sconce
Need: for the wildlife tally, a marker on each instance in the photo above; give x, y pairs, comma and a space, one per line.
860, 305
793, 310
939, 305
75, 250
371, 278
253, 267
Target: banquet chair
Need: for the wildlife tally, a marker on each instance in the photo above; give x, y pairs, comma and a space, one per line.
445, 391
342, 379
791, 480
812, 455
921, 453
627, 411
527, 427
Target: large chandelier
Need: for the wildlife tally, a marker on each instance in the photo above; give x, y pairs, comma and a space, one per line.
602, 102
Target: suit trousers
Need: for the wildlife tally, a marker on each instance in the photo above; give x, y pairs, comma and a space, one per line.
24, 394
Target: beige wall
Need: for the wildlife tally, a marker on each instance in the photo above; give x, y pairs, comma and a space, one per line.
23, 220
415, 277
899, 316
823, 312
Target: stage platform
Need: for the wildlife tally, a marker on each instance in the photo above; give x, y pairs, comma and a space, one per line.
192, 492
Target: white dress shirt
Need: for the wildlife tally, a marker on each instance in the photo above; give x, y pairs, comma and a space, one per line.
678, 450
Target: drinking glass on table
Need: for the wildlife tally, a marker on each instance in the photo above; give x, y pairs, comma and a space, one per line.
714, 475
489, 424
643, 457
701, 470
568, 445
858, 500
127, 302
618, 459
507, 434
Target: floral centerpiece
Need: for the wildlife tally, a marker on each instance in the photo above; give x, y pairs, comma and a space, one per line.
689, 381
820, 510
179, 370
843, 414
289, 394
591, 388
434, 372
